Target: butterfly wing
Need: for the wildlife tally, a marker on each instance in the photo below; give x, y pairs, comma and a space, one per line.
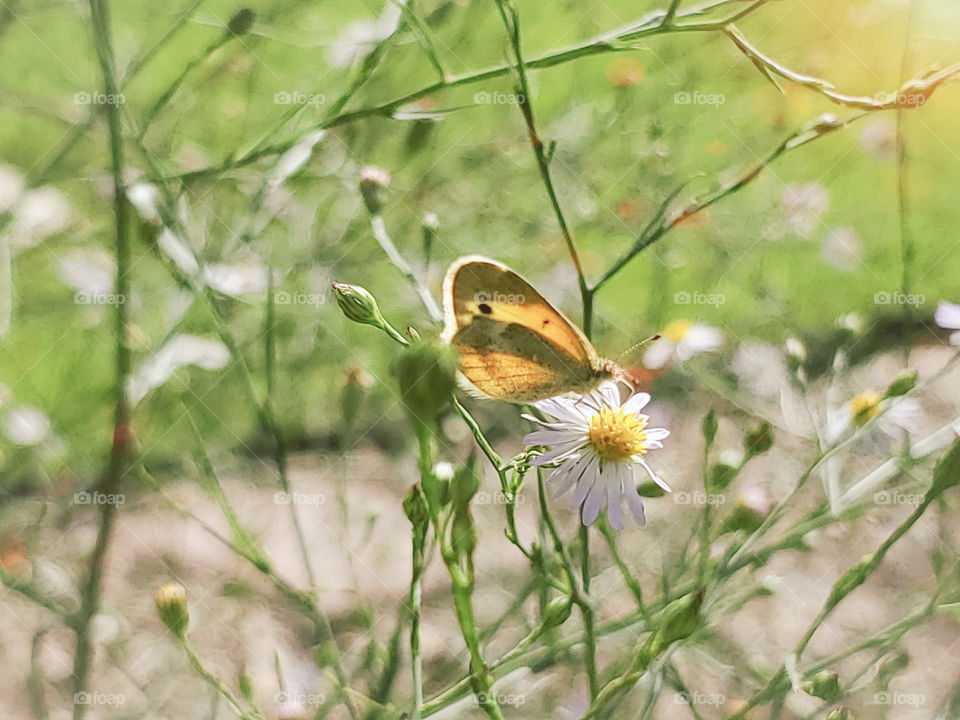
512, 343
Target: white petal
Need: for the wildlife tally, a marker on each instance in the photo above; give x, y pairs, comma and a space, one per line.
550, 437
658, 354
181, 350
556, 454
947, 315
657, 433
614, 496
610, 392
177, 250
240, 278
586, 480
560, 408
636, 402
699, 338
653, 475
563, 477
635, 502
26, 425
594, 501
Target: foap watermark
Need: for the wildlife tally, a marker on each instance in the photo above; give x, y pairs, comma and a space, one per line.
898, 298
499, 498
83, 497
886, 697
501, 698
484, 298
299, 298
698, 497
885, 497
699, 698
98, 98
98, 698
99, 298
497, 98
296, 97
299, 498
901, 99
698, 98
300, 698
698, 298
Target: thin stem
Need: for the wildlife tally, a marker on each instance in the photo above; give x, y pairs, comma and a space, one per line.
590, 640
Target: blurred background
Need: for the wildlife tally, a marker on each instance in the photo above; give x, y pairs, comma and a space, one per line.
231, 181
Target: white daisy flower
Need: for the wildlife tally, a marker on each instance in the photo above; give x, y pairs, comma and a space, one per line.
681, 339
597, 441
894, 415
947, 316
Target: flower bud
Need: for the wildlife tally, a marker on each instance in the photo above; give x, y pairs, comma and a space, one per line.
556, 612
840, 714
824, 685
358, 304
902, 384
171, 602
758, 439
372, 180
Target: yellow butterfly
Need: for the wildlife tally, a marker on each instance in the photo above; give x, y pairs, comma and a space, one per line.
512, 344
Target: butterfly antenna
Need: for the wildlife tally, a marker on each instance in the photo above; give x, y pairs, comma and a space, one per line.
639, 345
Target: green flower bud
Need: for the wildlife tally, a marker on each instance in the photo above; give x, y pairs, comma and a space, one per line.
681, 618
372, 180
415, 507
556, 612
649, 489
824, 685
720, 476
171, 602
758, 439
465, 484
904, 383
358, 304
709, 428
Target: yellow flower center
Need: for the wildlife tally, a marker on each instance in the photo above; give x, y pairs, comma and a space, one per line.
677, 330
865, 407
616, 435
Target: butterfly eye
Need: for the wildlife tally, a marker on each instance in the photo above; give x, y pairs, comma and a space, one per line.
485, 309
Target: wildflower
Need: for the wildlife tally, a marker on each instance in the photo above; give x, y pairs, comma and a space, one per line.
681, 339
181, 350
893, 415
171, 602
947, 316
27, 426
803, 204
597, 441
842, 249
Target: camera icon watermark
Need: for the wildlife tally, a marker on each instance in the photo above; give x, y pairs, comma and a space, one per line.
98, 298
98, 98
499, 498
683, 97
299, 498
698, 698
484, 297
901, 99
497, 98
85, 697
899, 298
84, 497
299, 298
885, 497
698, 497
886, 697
512, 699
699, 298
296, 97
299, 698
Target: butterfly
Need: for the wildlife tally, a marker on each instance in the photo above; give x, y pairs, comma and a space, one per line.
512, 344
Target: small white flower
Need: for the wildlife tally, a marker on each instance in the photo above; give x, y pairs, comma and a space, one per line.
879, 138
180, 351
842, 249
803, 204
894, 415
246, 277
42, 212
598, 440
27, 426
145, 198
947, 316
11, 187
681, 339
